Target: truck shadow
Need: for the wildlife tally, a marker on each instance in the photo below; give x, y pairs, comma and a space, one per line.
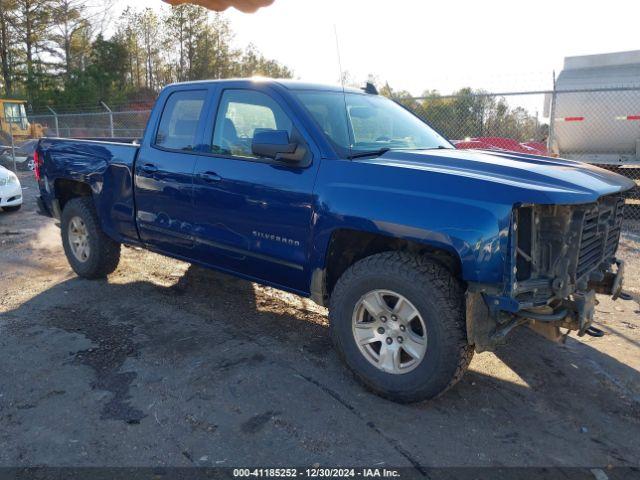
210, 336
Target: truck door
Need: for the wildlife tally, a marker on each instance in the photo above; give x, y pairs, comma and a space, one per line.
164, 174
254, 214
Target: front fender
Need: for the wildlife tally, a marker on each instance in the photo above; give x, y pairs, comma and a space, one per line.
353, 195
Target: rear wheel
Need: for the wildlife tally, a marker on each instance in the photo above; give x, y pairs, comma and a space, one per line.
398, 322
90, 252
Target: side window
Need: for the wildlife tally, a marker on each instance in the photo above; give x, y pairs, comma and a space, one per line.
240, 114
180, 118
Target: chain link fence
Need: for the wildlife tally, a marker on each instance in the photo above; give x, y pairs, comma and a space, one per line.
109, 124
600, 126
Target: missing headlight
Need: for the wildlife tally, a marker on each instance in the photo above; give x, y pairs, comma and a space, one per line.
524, 235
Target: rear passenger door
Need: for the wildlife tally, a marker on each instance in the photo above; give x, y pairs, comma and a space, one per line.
164, 173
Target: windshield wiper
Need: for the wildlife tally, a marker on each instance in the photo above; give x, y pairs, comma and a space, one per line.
439, 147
372, 153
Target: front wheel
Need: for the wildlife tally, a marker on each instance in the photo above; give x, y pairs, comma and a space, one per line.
90, 252
398, 322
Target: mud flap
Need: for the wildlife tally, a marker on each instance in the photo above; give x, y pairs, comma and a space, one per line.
611, 283
480, 325
585, 310
616, 290
484, 332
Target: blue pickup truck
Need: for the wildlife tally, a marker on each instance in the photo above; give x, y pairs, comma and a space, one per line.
422, 253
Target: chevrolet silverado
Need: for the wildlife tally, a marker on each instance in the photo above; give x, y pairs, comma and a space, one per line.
423, 254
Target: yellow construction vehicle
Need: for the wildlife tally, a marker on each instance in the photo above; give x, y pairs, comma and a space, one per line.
13, 120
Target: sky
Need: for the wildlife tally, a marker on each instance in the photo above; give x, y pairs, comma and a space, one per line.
417, 45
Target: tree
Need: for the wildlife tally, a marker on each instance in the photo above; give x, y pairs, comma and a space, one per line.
470, 113
53, 52
32, 24
149, 25
128, 36
214, 55
183, 26
7, 43
106, 68
69, 23
253, 63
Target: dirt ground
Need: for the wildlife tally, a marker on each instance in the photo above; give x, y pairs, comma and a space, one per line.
165, 364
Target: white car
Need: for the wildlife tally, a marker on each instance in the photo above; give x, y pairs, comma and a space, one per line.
23, 155
10, 191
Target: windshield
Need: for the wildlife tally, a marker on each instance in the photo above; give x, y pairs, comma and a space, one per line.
16, 114
374, 123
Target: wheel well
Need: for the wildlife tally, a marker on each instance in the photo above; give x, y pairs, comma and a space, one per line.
346, 247
67, 189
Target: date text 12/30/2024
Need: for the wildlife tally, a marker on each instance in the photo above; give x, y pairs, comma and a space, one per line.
315, 473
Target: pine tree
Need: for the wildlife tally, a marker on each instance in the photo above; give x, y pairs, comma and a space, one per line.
33, 24
7, 44
74, 25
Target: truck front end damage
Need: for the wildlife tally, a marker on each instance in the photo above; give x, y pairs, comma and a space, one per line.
559, 257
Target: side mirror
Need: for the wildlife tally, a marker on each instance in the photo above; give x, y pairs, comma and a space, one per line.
275, 144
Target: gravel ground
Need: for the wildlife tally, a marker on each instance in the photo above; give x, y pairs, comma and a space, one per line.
168, 364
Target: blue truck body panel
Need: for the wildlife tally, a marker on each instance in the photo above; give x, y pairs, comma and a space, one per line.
273, 221
107, 168
456, 200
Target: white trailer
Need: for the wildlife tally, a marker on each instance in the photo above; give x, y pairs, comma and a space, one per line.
595, 109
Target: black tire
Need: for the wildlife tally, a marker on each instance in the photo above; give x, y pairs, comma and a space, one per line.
14, 208
439, 298
104, 254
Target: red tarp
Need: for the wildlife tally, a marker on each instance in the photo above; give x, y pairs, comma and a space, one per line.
500, 143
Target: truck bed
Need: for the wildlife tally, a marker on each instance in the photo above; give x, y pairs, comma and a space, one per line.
105, 166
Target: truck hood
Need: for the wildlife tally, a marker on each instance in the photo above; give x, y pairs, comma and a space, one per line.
536, 179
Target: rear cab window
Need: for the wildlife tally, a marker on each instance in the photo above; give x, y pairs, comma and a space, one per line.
178, 128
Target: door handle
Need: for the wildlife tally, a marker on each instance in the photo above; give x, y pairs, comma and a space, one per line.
149, 168
209, 177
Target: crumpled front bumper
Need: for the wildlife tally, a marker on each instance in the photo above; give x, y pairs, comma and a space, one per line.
611, 284
490, 318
